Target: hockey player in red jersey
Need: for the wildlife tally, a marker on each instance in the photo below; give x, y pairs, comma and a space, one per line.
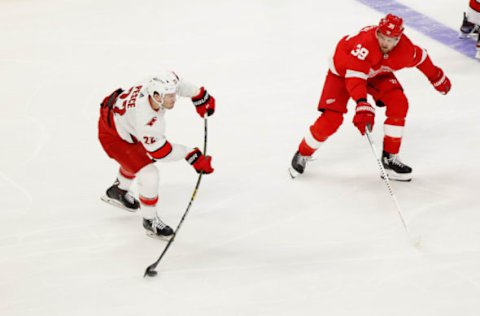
132, 132
471, 23
365, 64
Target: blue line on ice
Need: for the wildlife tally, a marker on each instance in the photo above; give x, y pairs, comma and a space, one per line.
425, 25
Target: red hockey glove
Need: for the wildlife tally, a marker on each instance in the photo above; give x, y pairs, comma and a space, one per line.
204, 103
364, 116
200, 162
441, 82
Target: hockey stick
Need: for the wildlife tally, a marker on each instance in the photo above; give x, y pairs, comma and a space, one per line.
414, 240
150, 271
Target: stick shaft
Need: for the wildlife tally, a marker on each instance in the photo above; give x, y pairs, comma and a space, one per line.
197, 185
386, 180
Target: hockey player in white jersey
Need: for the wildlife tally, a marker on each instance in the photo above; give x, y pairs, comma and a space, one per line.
132, 132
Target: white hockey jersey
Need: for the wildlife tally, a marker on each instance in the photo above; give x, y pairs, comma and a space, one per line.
135, 120
473, 12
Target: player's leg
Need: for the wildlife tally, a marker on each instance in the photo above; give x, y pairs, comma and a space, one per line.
333, 105
148, 181
135, 162
387, 91
118, 194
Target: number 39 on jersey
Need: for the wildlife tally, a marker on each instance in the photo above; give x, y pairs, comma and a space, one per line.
360, 52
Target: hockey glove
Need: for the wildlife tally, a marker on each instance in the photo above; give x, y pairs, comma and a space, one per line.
200, 162
204, 103
364, 116
441, 82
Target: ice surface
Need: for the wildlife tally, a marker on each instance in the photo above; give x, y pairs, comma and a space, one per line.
255, 242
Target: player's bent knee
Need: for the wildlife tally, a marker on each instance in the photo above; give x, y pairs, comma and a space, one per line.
397, 104
148, 176
326, 125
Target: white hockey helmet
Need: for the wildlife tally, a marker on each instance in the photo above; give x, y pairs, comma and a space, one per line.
163, 83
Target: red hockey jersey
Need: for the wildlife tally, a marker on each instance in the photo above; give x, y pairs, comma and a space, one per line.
358, 58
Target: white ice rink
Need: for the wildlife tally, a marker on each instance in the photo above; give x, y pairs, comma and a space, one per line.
255, 241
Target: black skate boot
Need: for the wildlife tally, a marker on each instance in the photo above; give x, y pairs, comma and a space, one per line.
477, 55
395, 169
121, 198
157, 229
298, 164
467, 28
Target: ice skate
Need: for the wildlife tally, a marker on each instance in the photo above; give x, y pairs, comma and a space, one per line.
120, 198
477, 55
468, 29
156, 228
395, 169
299, 163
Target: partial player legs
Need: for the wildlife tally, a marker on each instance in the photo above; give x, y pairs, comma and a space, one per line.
397, 108
396, 111
148, 180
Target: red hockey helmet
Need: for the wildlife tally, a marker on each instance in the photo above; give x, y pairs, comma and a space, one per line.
391, 26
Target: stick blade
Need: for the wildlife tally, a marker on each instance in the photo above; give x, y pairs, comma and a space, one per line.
150, 271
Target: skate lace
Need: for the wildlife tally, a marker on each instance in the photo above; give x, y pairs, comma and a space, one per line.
157, 224
129, 198
305, 159
395, 160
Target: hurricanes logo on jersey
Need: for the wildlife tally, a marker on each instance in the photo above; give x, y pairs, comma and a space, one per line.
152, 121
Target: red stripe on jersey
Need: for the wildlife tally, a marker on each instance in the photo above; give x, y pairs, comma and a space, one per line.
127, 174
162, 151
149, 201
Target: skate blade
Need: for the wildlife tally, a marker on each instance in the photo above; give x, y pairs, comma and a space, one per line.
159, 237
108, 200
473, 36
293, 173
398, 176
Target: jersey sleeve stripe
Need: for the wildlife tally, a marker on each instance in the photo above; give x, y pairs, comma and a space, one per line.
424, 56
355, 74
332, 66
162, 151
